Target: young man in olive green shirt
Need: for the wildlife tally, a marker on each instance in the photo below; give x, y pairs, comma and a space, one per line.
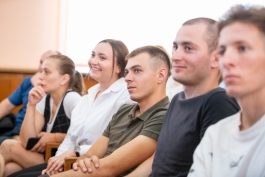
131, 136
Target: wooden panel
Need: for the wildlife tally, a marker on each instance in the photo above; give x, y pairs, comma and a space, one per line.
10, 81
89, 82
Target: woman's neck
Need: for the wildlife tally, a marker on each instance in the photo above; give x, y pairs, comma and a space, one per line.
58, 95
104, 86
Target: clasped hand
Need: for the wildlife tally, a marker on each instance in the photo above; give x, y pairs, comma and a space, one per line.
85, 164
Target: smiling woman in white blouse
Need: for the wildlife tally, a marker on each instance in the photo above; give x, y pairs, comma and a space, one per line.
94, 111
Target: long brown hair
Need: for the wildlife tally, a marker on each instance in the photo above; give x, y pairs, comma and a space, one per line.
119, 51
66, 66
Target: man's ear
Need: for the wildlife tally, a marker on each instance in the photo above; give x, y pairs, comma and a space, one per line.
162, 75
214, 59
65, 79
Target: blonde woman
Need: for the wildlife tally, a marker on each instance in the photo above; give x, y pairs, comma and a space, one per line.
48, 113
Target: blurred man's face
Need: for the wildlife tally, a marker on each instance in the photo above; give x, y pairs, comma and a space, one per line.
242, 59
44, 56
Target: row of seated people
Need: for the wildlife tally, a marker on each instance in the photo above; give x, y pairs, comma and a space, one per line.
148, 135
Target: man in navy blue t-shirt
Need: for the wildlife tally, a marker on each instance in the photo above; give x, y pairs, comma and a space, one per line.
191, 112
20, 97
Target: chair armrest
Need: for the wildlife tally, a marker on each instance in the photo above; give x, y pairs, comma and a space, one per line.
48, 151
68, 161
2, 165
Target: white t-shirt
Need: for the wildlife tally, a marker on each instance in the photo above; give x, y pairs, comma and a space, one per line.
226, 151
70, 101
91, 116
172, 87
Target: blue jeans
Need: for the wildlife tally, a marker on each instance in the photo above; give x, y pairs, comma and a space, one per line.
9, 134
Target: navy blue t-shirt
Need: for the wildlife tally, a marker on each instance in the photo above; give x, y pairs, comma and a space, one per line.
20, 96
184, 126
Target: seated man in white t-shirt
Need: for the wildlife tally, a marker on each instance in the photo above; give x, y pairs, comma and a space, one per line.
235, 146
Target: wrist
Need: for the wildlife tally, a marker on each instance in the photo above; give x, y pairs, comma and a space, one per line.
55, 139
77, 151
31, 106
72, 153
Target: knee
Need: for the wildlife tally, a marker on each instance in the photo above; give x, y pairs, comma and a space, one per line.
11, 168
11, 147
3, 138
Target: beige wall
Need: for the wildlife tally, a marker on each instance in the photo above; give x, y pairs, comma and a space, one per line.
27, 29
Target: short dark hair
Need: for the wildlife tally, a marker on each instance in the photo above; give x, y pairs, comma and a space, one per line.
211, 34
119, 50
158, 56
254, 15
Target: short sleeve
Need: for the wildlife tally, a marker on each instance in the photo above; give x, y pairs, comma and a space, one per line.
107, 130
218, 107
153, 126
16, 97
70, 101
41, 105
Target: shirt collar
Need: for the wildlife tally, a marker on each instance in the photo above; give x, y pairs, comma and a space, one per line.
161, 104
115, 87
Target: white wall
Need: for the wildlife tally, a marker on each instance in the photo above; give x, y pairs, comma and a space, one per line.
74, 27
28, 28
135, 22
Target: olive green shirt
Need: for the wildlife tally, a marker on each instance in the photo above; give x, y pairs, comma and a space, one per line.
124, 126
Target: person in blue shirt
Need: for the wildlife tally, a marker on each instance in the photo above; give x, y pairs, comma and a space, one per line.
20, 97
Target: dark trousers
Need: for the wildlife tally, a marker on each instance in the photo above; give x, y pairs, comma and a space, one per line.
33, 171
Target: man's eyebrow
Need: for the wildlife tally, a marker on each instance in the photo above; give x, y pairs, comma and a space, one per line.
45, 68
187, 43
134, 66
236, 42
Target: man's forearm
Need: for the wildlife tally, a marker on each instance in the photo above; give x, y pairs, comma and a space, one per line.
96, 173
143, 170
123, 159
5, 107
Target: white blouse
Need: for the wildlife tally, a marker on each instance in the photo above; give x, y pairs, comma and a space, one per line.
91, 116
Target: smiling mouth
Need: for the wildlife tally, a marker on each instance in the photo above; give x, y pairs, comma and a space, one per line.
95, 69
179, 67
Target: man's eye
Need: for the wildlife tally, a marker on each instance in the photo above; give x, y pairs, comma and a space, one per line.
125, 73
175, 47
221, 52
137, 70
187, 48
242, 48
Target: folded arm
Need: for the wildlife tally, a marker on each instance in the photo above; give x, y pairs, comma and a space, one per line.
126, 157
143, 170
